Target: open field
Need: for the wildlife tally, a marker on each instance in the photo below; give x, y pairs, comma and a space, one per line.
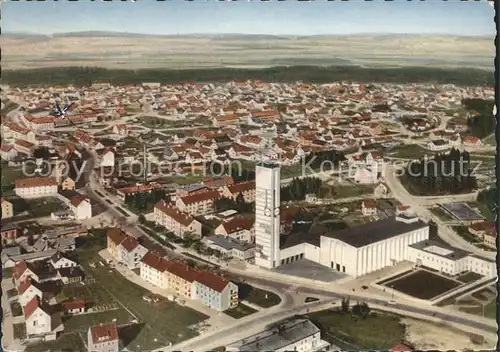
243, 51
66, 342
411, 284
240, 311
376, 332
81, 322
410, 151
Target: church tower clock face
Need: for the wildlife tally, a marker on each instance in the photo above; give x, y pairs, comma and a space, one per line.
267, 212
277, 211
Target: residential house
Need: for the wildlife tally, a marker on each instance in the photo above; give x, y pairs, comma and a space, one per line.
7, 209
438, 145
246, 189
74, 307
174, 220
68, 184
103, 338
121, 130
81, 207
199, 203
181, 278
471, 141
27, 290
231, 247
70, 275
369, 207
24, 147
238, 228
21, 272
153, 270
382, 191
115, 236
36, 187
130, 252
9, 232
8, 152
41, 318
214, 291
107, 157
59, 261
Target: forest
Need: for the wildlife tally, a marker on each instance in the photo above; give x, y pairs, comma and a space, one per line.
483, 124
299, 188
83, 76
444, 174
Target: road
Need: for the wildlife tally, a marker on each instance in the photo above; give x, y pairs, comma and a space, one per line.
419, 205
258, 321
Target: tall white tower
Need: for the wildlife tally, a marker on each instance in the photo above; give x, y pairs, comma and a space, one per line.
267, 215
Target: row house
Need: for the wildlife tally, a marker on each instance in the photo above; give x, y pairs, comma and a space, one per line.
36, 187
238, 228
7, 209
38, 124
225, 120
174, 220
247, 189
212, 290
24, 147
43, 141
123, 192
218, 183
200, 203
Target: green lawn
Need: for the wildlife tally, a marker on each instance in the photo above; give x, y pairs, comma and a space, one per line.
469, 277
162, 323
352, 191
9, 176
240, 311
262, 298
6, 273
19, 331
12, 293
376, 332
42, 206
410, 151
66, 342
81, 322
490, 310
16, 309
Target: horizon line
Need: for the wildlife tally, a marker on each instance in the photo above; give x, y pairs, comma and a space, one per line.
248, 34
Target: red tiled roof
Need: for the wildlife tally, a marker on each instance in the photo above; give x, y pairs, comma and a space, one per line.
104, 333
369, 203
24, 143
129, 244
19, 268
241, 187
36, 182
32, 306
200, 197
156, 262
76, 200
237, 224
183, 271
174, 213
116, 235
211, 280
73, 304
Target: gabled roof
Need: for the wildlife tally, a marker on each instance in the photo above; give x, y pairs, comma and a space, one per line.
36, 302
104, 333
116, 235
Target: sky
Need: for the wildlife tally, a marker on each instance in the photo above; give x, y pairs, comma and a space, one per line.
290, 17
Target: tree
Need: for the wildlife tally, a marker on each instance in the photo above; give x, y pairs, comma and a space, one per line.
345, 303
142, 218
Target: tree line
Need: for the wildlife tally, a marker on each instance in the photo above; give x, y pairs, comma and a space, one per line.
483, 124
144, 201
309, 74
223, 204
299, 188
449, 173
